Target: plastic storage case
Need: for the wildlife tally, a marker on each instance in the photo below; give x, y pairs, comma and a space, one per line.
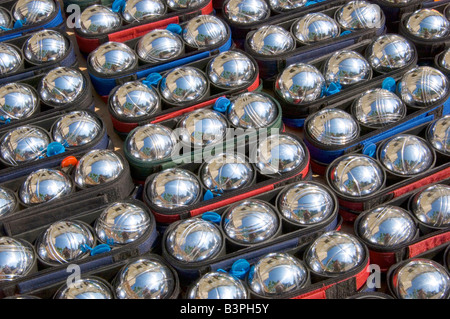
88, 43
83, 4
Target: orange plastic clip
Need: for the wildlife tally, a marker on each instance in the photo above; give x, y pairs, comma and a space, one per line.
69, 161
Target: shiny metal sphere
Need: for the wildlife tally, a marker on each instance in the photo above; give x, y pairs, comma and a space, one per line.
423, 86
185, 4
174, 188
438, 134
445, 60
356, 175
271, 40
252, 110
204, 31
121, 223
277, 154
315, 27
334, 253
332, 126
10, 59
421, 279
246, 11
231, 69
286, 5
151, 142
217, 285
145, 278
8, 202
85, 288
432, 205
75, 129
98, 19
346, 68
45, 185
5, 19
135, 99
406, 155
387, 226
45, 46
24, 144
202, 127
428, 24
183, 84
250, 222
61, 85
226, 171
140, 10
33, 11
98, 167
389, 52
159, 45
277, 274
378, 107
300, 83
63, 241
356, 15
112, 58
17, 258
305, 203
194, 240
17, 101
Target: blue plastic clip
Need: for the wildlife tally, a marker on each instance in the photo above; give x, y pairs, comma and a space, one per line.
222, 104
208, 195
333, 88
175, 28
152, 79
251, 272
19, 23
240, 268
345, 33
100, 249
55, 148
370, 150
5, 29
5, 121
118, 5
389, 84
212, 217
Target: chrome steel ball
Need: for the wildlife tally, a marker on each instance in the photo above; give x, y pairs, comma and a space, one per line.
17, 101
145, 278
151, 142
332, 126
63, 242
421, 279
271, 40
193, 240
252, 110
357, 15
286, 5
438, 134
10, 59
185, 4
8, 202
334, 253
444, 60
140, 10
183, 84
17, 258
432, 205
315, 27
389, 52
61, 85
121, 223
45, 46
112, 57
346, 68
75, 129
217, 285
231, 69
377, 108
276, 274
356, 175
98, 167
428, 24
45, 185
85, 288
33, 11
24, 144
306, 203
174, 188
5, 19
246, 11
204, 31
387, 226
423, 86
278, 154
98, 19
159, 45
406, 155
135, 99
202, 127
